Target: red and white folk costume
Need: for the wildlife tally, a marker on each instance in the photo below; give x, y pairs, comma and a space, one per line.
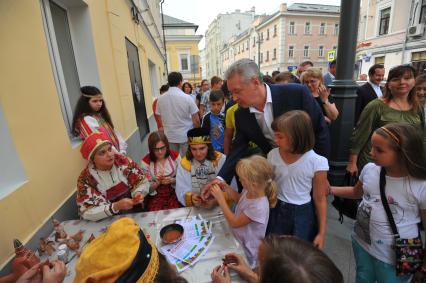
164, 197
98, 189
90, 124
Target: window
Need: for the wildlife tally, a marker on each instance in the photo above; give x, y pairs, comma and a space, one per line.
290, 51
275, 29
423, 12
322, 29
384, 21
307, 28
12, 172
261, 36
275, 54
321, 51
336, 29
306, 51
379, 60
261, 57
267, 56
248, 43
254, 41
267, 34
184, 62
291, 29
72, 53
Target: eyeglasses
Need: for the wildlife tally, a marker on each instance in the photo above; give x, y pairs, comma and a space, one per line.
158, 149
420, 88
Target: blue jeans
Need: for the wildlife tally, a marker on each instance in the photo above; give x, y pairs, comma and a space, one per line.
369, 269
292, 219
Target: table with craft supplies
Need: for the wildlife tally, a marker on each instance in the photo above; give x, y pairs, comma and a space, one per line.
222, 239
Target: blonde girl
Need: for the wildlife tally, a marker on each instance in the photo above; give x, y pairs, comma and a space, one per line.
252, 211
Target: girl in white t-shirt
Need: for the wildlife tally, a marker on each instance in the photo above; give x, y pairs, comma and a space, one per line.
399, 150
299, 171
251, 214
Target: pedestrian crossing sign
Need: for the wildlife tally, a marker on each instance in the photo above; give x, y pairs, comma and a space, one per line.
331, 55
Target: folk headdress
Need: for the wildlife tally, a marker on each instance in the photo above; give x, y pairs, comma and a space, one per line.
120, 254
92, 143
198, 136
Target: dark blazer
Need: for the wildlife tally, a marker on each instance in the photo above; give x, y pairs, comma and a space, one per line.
365, 94
284, 98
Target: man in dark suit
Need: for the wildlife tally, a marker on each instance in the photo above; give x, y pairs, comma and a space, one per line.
259, 105
370, 90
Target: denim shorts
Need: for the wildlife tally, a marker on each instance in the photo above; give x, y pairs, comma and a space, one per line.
292, 219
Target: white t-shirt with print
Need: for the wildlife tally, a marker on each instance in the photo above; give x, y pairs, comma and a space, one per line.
406, 195
176, 109
295, 180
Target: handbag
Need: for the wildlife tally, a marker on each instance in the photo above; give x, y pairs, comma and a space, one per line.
345, 206
409, 252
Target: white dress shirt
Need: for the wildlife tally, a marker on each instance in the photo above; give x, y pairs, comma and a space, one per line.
264, 118
376, 88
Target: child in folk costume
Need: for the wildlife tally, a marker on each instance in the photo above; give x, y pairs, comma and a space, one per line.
91, 115
160, 164
111, 183
199, 167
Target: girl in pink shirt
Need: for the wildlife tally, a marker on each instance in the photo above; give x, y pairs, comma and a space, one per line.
252, 211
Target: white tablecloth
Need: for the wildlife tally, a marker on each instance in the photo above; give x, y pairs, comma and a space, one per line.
152, 222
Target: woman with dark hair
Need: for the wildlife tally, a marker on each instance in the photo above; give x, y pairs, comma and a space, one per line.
282, 259
398, 104
421, 90
160, 165
91, 115
199, 167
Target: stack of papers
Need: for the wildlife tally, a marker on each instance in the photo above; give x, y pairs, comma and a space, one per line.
197, 238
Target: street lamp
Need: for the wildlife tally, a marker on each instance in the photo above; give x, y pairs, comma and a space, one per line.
343, 90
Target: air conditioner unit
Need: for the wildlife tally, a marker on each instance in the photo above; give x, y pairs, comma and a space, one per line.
416, 30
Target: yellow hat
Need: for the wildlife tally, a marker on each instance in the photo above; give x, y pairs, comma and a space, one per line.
121, 254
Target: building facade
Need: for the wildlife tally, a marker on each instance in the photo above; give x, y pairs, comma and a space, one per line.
392, 32
49, 49
219, 32
284, 39
182, 48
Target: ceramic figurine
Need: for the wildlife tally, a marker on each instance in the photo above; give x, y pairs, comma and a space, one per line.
46, 246
60, 234
24, 260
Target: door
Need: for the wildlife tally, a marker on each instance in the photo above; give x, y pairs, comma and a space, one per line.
137, 89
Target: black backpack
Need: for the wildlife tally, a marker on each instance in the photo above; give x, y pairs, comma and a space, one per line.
347, 207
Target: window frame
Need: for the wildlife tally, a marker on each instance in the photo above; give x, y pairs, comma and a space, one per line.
308, 29
384, 20
336, 29
291, 51
292, 28
322, 29
306, 49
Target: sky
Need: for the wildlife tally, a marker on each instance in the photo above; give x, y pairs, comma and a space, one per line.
203, 12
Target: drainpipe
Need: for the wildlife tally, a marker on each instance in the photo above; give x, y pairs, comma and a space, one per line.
164, 38
404, 45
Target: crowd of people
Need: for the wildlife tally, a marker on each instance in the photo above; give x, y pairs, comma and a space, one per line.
258, 147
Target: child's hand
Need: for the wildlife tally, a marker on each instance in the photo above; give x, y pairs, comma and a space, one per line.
196, 199
319, 241
217, 193
205, 192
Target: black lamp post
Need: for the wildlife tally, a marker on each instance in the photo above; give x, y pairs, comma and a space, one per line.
343, 90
